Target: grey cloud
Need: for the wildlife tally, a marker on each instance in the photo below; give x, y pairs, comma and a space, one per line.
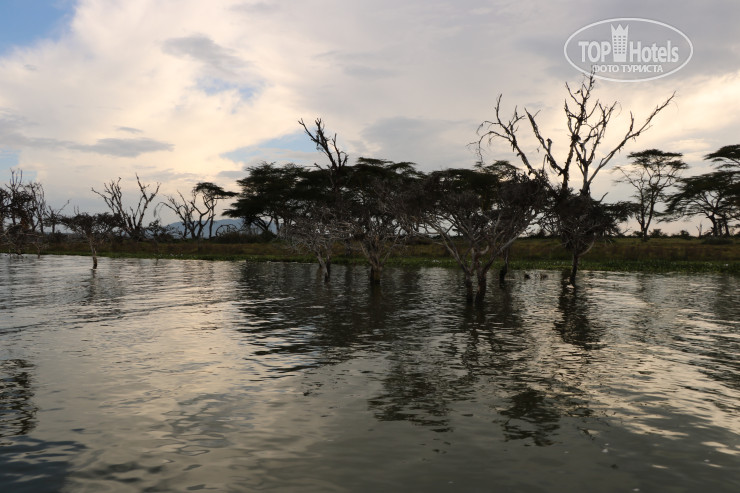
123, 147
361, 65
129, 130
12, 136
434, 143
231, 174
206, 51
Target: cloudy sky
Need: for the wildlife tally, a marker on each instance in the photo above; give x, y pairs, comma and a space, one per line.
181, 91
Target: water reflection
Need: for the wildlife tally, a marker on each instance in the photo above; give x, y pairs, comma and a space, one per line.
531, 416
170, 376
17, 410
575, 326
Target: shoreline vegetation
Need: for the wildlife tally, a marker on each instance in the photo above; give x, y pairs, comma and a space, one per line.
658, 255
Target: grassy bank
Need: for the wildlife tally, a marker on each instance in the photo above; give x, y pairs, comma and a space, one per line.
622, 254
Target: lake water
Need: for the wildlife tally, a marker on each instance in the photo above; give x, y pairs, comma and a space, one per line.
178, 375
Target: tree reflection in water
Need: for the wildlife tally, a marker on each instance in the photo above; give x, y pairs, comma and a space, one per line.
17, 410
575, 325
431, 354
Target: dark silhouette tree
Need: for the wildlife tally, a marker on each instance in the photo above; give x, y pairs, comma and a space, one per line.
726, 157
132, 220
586, 123
377, 193
197, 212
322, 217
476, 214
94, 228
714, 195
267, 198
53, 217
210, 194
314, 223
651, 173
327, 146
21, 214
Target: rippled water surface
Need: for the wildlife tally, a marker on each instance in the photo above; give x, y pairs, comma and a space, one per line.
185, 375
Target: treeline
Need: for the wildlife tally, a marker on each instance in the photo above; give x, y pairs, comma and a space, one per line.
27, 222
475, 213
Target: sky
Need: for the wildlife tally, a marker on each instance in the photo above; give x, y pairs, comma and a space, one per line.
182, 91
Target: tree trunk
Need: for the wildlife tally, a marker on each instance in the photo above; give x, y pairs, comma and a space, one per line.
324, 267
94, 255
574, 269
469, 288
481, 293
504, 268
375, 272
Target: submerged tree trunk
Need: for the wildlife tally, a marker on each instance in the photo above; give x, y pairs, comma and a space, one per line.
324, 266
504, 268
376, 269
481, 293
469, 295
94, 255
574, 269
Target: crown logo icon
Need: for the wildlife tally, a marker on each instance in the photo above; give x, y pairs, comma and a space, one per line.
619, 43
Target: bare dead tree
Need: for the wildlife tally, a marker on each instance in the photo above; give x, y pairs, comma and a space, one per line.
197, 211
192, 215
53, 217
328, 147
586, 123
132, 220
22, 214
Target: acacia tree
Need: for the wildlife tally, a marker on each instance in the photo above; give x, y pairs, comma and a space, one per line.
132, 220
651, 173
476, 214
321, 219
714, 195
377, 194
314, 224
210, 194
586, 123
726, 157
95, 228
266, 199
